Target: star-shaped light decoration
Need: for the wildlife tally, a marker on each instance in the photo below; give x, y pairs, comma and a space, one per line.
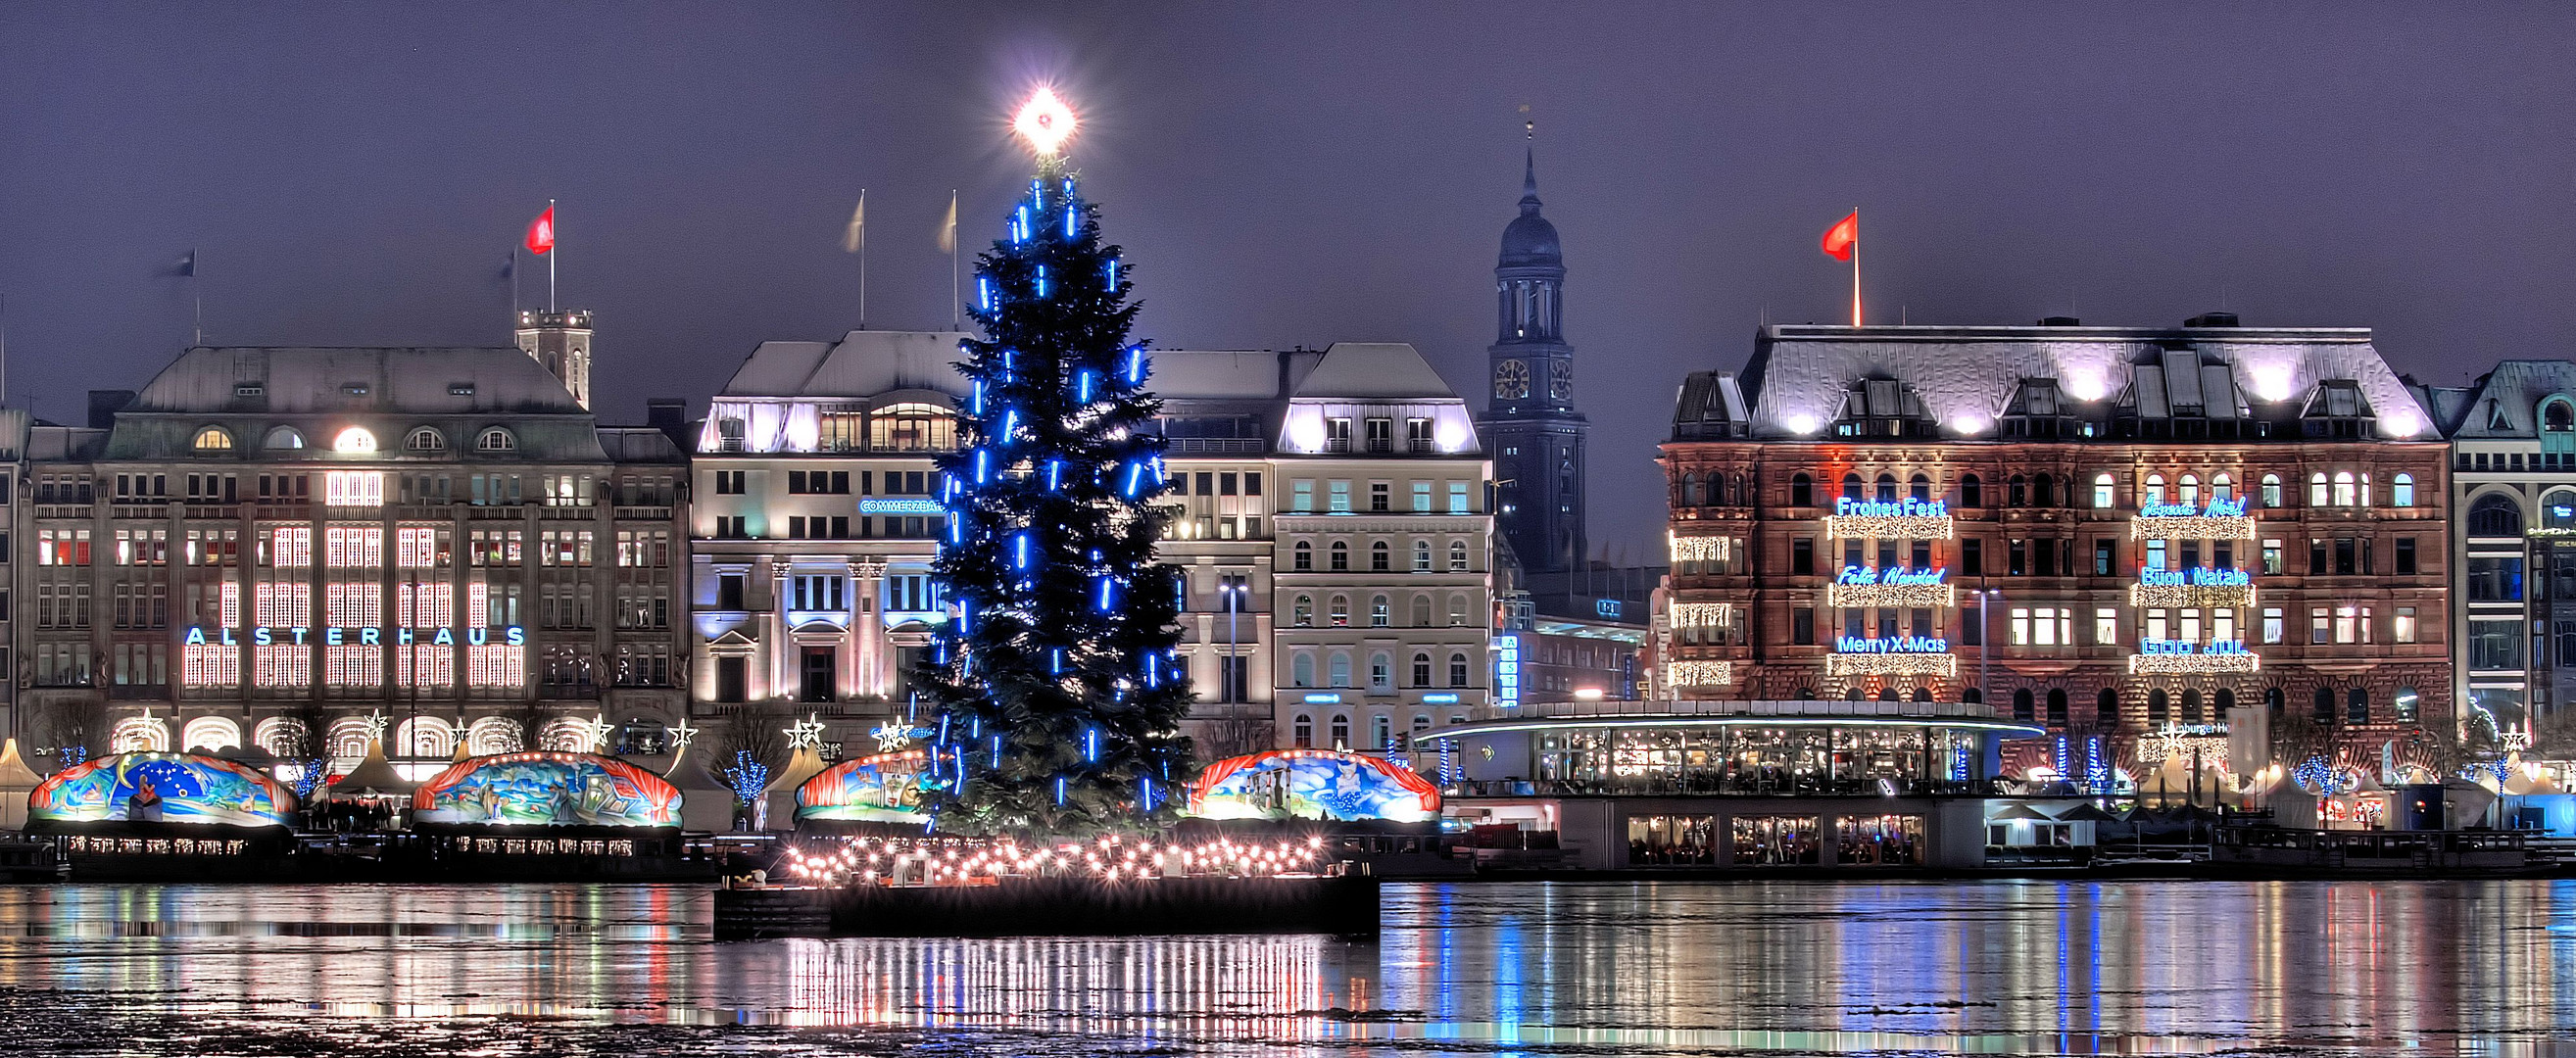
376, 727
891, 736
1045, 122
2516, 739
681, 733
806, 733
593, 732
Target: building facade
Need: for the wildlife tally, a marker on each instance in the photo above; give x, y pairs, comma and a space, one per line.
2513, 541
440, 539
1328, 511
2112, 533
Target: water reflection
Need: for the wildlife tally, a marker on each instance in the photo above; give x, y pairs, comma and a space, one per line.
1998, 967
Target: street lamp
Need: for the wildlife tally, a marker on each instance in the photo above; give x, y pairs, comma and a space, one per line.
1985, 644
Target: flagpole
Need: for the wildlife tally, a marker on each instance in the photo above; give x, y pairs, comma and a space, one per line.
956, 299
863, 258
554, 249
514, 284
197, 292
1855, 267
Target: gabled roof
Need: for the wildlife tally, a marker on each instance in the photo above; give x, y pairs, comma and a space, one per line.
861, 364
1373, 371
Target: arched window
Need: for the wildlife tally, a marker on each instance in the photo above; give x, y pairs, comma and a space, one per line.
212, 440
1305, 728
1457, 670
425, 439
1341, 668
1802, 490
1923, 694
2271, 490
1341, 731
1886, 488
1851, 693
2153, 492
1920, 487
1972, 491
1341, 611
1806, 694
2188, 490
1457, 556
1852, 487
2495, 514
2022, 705
2558, 510
1378, 556
2106, 709
1341, 556
496, 439
1971, 696
2401, 491
2557, 415
283, 438
2343, 491
2191, 705
2222, 701
1421, 669
2222, 487
2043, 491
2273, 702
2017, 491
1421, 610
354, 440
2356, 708
1381, 672
1301, 670
1303, 557
2318, 495
2324, 710
1380, 612
1690, 490
1305, 613
2103, 492
1380, 736
1457, 609
2056, 707
2407, 703
2159, 709
1887, 694
912, 426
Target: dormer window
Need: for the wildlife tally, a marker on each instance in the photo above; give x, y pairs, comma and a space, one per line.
354, 440
496, 439
460, 389
354, 389
425, 439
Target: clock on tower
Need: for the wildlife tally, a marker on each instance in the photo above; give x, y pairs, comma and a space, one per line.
1511, 380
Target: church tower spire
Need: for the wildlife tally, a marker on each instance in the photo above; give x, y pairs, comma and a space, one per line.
1531, 418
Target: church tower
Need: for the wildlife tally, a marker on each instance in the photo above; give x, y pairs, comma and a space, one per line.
1531, 426
561, 341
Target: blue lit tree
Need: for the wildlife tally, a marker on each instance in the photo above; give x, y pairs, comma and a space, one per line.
1054, 700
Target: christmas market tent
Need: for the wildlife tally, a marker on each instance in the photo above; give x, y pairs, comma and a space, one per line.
17, 780
706, 803
374, 779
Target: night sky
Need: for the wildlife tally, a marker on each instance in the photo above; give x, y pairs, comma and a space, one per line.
1284, 174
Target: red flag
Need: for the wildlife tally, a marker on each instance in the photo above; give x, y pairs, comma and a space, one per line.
541, 232
1840, 238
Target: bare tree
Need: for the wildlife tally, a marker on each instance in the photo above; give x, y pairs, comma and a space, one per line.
1239, 731
2553, 736
2297, 736
527, 722
77, 722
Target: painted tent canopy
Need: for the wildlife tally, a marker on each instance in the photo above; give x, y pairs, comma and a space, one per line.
882, 788
547, 789
162, 788
1312, 784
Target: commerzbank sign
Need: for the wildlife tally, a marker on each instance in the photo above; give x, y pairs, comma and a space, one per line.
356, 636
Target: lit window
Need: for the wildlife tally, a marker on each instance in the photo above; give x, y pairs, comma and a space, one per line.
213, 439
425, 439
354, 488
2101, 491
354, 439
2343, 490
496, 439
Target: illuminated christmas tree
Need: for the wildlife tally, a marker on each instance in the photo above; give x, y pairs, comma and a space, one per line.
1051, 688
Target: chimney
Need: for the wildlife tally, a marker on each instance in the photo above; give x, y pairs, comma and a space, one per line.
2060, 321
2213, 319
671, 416
104, 404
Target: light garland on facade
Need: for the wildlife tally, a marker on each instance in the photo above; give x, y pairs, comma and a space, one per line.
2193, 664
1888, 526
2193, 527
1904, 595
1944, 665
1697, 548
2189, 595
2182, 741
1701, 614
1700, 673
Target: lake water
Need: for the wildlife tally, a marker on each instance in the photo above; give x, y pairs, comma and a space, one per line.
1593, 968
